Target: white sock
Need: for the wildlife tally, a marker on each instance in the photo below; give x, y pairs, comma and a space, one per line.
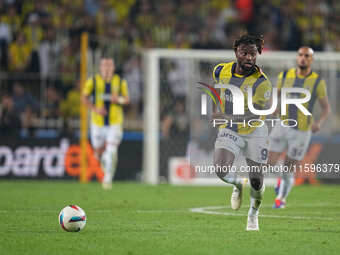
286, 185
255, 200
110, 164
232, 179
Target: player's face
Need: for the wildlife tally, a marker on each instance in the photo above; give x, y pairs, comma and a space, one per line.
304, 57
106, 68
246, 56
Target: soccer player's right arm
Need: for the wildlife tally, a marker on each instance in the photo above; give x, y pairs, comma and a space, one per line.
87, 91
216, 76
321, 93
216, 72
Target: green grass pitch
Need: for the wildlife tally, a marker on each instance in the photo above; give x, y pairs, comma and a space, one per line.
140, 219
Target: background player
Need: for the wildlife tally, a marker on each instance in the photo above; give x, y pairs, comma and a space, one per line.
296, 140
109, 93
234, 141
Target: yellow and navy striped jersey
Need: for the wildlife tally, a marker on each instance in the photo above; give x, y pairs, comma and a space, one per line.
101, 92
314, 83
224, 73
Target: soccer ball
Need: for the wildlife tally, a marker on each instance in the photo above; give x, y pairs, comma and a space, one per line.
72, 218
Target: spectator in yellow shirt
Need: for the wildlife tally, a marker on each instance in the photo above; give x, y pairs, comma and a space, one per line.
19, 54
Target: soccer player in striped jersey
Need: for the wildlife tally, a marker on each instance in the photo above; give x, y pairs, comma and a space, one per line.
109, 94
296, 139
242, 140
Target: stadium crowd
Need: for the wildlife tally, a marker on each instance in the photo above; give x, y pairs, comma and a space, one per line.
39, 43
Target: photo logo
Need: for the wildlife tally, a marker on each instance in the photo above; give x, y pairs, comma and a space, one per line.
209, 90
289, 96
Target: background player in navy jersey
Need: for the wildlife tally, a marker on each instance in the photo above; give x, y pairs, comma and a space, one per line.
296, 139
109, 94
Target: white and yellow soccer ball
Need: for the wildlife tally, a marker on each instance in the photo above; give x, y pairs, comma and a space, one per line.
72, 218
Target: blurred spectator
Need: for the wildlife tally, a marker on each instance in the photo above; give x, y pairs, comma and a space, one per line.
68, 68
133, 75
88, 26
62, 22
19, 54
176, 124
290, 35
34, 34
105, 15
12, 19
163, 33
145, 17
5, 39
70, 109
70, 106
175, 134
92, 7
33, 31
49, 51
9, 118
189, 18
51, 108
117, 46
5, 31
38, 9
177, 78
23, 99
26, 107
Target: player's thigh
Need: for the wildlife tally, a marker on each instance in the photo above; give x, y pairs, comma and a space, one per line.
277, 140
97, 137
298, 144
115, 135
228, 146
257, 145
273, 157
223, 160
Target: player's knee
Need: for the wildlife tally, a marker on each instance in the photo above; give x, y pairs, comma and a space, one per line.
291, 162
218, 162
256, 183
273, 157
111, 147
99, 152
222, 161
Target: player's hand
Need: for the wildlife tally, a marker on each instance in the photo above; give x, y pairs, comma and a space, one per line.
114, 99
316, 127
100, 110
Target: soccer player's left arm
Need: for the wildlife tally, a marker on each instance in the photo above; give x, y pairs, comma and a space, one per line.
124, 98
321, 93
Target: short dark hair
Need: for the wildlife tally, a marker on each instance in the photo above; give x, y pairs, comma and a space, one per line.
250, 39
106, 56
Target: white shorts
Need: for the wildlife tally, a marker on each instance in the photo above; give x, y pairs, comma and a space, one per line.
295, 141
106, 134
253, 146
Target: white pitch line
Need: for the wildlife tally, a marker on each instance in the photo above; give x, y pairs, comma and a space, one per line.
162, 211
210, 210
